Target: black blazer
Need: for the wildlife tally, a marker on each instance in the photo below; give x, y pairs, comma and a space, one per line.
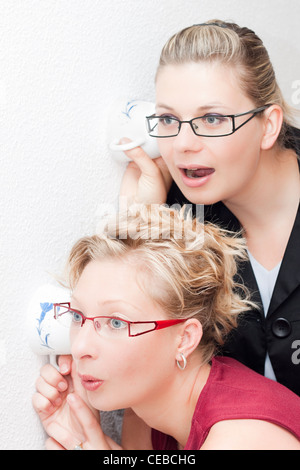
277, 333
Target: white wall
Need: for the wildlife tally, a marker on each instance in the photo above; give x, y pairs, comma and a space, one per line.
62, 63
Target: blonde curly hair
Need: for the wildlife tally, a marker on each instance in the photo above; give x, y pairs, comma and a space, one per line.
187, 267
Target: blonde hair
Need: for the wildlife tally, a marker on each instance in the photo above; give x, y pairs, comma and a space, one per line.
236, 46
187, 267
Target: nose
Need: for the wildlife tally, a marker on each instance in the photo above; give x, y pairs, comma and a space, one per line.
187, 140
84, 341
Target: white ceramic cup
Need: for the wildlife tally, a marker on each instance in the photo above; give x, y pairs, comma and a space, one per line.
127, 118
46, 336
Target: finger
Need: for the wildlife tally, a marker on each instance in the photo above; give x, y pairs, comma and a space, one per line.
42, 405
143, 161
129, 185
130, 177
81, 391
164, 171
65, 364
52, 444
53, 377
63, 437
95, 438
77, 385
48, 391
132, 168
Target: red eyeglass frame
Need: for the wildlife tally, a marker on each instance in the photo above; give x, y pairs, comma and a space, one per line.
158, 324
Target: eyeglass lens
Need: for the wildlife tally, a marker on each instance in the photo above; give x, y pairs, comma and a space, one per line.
209, 125
105, 326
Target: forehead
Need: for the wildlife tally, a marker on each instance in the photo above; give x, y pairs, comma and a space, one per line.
198, 84
108, 282
108, 278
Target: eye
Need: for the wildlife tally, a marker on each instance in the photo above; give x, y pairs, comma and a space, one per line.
117, 324
76, 317
213, 119
166, 120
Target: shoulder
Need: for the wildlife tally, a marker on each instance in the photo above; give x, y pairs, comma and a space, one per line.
249, 434
236, 378
236, 398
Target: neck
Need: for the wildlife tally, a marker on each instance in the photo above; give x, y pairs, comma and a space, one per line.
175, 406
273, 192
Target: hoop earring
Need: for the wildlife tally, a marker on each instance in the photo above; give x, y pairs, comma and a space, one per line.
183, 366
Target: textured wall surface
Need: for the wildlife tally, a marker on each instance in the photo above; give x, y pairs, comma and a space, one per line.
62, 63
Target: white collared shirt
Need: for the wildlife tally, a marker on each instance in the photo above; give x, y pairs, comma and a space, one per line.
266, 281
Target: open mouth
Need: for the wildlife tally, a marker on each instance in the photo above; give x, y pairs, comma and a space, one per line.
194, 173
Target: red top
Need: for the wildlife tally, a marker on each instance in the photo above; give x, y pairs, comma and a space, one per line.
233, 391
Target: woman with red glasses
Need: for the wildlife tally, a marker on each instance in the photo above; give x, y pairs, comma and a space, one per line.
226, 138
153, 299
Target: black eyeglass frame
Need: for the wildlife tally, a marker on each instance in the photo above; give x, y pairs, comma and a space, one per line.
254, 112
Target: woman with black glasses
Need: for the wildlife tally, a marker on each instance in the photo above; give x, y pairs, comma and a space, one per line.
227, 141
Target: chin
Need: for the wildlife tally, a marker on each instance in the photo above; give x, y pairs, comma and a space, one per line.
200, 196
104, 405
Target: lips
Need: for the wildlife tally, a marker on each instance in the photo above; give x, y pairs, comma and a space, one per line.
195, 176
198, 172
90, 383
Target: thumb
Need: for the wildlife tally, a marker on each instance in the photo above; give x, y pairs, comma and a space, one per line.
141, 158
95, 438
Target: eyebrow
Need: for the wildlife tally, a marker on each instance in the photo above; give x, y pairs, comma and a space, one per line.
209, 106
101, 304
113, 301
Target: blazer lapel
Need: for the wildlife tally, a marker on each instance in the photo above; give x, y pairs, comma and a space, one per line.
247, 274
289, 274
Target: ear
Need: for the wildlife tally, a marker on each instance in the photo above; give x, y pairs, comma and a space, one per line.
191, 335
273, 118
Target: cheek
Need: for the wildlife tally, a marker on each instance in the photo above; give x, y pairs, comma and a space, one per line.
152, 361
165, 149
239, 161
138, 359
134, 375
142, 364
124, 364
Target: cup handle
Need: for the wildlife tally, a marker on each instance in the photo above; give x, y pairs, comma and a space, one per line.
129, 146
